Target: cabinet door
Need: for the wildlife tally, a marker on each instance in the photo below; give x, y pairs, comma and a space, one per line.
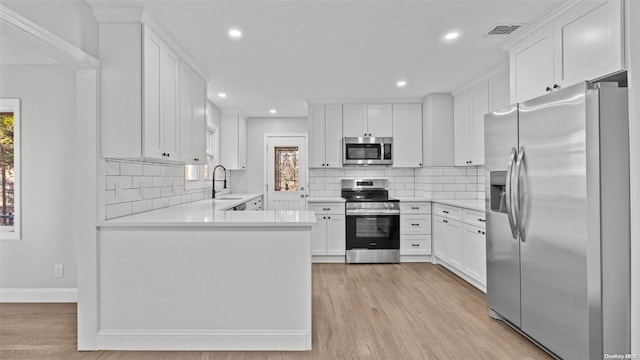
199, 126
336, 235
461, 124
415, 224
170, 64
333, 136
474, 253
319, 236
379, 120
316, 130
531, 65
229, 127
479, 107
153, 130
186, 113
455, 243
242, 142
441, 237
499, 92
354, 120
407, 135
588, 42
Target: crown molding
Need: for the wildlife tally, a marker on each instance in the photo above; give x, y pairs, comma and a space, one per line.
112, 14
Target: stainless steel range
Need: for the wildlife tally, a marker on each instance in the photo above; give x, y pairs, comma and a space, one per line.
373, 222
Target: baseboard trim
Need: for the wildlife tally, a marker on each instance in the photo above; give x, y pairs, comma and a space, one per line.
38, 295
195, 340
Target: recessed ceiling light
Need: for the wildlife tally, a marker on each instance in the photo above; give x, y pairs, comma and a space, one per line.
273, 111
401, 83
235, 33
451, 35
222, 95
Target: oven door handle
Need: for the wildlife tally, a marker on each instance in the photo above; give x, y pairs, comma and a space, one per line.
358, 212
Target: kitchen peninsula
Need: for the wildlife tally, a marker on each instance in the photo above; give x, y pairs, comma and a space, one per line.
194, 277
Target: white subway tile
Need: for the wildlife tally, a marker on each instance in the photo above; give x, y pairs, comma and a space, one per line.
152, 193
435, 187
410, 172
160, 203
470, 179
316, 172
443, 195
409, 186
166, 191
354, 173
117, 210
442, 179
332, 187
124, 181
472, 187
420, 186
152, 170
421, 179
174, 200
316, 186
455, 171
130, 195
333, 172
112, 168
403, 193
394, 172
138, 180
127, 168
373, 172
142, 206
437, 171
110, 197
466, 195
472, 171
405, 179
481, 195
422, 193
455, 187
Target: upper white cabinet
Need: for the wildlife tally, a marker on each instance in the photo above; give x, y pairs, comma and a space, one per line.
499, 91
325, 131
141, 96
193, 123
233, 142
469, 108
367, 120
582, 43
407, 135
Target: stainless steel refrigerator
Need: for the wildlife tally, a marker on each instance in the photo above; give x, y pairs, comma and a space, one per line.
557, 201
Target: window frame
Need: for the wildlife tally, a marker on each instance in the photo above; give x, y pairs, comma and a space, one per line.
14, 105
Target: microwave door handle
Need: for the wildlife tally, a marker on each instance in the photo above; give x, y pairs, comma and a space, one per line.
509, 194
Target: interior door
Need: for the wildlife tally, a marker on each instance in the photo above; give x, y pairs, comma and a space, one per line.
286, 173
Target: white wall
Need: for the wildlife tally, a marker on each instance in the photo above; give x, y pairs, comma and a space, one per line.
48, 149
72, 21
633, 44
252, 180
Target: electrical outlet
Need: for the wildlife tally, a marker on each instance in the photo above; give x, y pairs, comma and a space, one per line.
58, 270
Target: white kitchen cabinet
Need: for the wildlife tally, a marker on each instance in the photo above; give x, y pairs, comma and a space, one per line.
325, 132
407, 135
415, 229
474, 253
499, 91
140, 97
328, 237
447, 237
367, 120
233, 141
379, 120
469, 108
583, 43
193, 121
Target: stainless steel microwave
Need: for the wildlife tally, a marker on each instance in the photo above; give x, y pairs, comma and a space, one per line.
367, 151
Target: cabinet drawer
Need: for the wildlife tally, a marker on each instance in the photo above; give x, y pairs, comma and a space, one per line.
415, 245
415, 208
450, 212
327, 208
415, 224
475, 218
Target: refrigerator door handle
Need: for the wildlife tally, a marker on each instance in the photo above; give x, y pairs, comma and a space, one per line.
516, 203
509, 194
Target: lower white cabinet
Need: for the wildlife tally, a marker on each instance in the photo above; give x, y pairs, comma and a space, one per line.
415, 229
254, 204
459, 242
328, 237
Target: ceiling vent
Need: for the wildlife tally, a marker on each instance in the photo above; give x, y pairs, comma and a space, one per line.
502, 30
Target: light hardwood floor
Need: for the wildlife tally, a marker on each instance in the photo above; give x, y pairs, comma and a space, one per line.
407, 311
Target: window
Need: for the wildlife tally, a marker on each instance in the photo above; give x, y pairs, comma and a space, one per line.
10, 169
196, 176
286, 174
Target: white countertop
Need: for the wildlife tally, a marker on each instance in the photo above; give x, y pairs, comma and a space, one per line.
472, 204
210, 212
411, 199
325, 200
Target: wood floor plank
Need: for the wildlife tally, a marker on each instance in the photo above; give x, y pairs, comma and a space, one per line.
406, 311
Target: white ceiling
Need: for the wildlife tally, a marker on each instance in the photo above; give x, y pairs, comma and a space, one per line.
297, 50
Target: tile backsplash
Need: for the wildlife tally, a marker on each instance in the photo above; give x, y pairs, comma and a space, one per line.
134, 187
431, 182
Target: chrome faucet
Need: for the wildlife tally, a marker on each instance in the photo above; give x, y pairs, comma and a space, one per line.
213, 176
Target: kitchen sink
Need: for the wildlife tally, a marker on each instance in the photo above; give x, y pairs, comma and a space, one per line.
229, 198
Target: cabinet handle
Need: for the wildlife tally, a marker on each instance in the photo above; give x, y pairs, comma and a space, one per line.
415, 224
482, 220
326, 209
327, 164
555, 86
416, 245
445, 211
329, 217
164, 154
324, 217
420, 164
415, 208
479, 232
444, 221
548, 89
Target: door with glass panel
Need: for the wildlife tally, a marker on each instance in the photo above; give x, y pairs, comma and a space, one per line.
286, 181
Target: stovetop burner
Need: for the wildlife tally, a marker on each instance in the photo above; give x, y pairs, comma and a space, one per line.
366, 190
